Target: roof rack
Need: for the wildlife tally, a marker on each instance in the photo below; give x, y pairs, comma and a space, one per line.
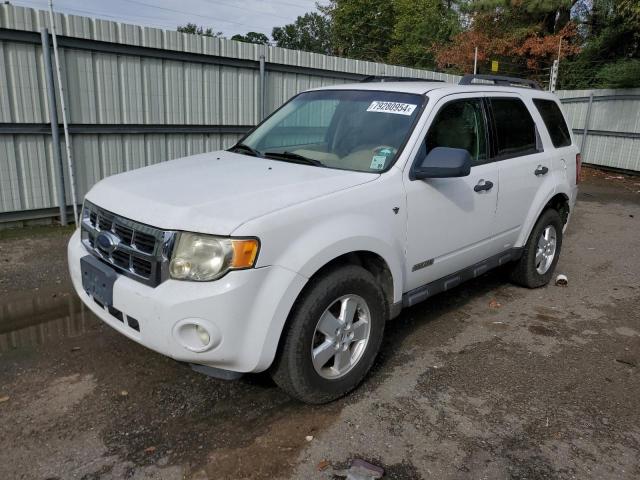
382, 78
500, 80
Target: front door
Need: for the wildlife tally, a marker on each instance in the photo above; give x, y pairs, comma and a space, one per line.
451, 220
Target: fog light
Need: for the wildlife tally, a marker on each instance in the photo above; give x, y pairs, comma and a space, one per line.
197, 334
203, 335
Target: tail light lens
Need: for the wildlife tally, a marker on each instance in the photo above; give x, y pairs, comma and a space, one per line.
578, 168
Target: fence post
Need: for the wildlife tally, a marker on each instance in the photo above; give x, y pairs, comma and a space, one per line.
585, 131
262, 88
53, 118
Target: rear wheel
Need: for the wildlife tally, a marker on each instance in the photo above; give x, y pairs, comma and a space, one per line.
333, 337
540, 256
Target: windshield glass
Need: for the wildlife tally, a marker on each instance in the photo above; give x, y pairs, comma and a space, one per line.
360, 130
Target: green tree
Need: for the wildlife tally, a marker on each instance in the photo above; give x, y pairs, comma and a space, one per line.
361, 29
252, 37
419, 25
310, 32
610, 56
198, 30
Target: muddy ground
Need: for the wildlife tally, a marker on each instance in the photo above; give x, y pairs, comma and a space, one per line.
486, 381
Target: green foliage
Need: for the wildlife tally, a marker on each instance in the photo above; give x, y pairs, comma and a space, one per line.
252, 37
624, 73
611, 51
198, 30
310, 32
419, 25
361, 28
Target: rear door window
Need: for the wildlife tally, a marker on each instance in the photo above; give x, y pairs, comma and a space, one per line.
554, 121
515, 129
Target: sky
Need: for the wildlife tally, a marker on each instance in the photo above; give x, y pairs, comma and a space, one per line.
228, 16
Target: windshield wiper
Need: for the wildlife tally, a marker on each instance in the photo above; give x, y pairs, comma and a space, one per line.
243, 147
294, 158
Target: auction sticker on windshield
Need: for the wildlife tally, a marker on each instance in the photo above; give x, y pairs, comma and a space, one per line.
391, 107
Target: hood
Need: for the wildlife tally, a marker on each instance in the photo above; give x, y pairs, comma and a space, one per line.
216, 192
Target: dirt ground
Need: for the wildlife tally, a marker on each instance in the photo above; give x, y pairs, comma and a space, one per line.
489, 381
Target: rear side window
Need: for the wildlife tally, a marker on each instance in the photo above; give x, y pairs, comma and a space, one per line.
515, 129
554, 121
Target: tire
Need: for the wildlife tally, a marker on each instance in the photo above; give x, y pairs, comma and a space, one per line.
530, 271
343, 289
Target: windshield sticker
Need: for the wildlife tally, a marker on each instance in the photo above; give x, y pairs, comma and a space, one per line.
378, 161
391, 107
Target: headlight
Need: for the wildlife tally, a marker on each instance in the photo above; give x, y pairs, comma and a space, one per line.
202, 258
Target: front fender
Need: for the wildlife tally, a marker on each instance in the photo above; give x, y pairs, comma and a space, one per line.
303, 238
328, 247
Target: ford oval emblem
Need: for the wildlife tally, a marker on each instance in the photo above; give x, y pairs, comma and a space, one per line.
107, 241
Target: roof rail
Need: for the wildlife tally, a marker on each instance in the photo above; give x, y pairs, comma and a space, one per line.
382, 78
500, 80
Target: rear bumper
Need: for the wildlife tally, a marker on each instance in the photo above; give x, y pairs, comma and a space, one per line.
244, 313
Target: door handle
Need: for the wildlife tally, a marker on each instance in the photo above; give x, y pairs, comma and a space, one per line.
483, 185
541, 170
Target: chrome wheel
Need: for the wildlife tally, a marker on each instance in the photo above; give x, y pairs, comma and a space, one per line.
341, 337
546, 250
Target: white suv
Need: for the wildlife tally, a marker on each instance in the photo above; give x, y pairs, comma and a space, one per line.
291, 250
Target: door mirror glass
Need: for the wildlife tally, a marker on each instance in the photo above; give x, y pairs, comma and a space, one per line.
443, 162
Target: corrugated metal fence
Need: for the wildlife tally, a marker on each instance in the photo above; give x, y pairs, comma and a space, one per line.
606, 124
138, 96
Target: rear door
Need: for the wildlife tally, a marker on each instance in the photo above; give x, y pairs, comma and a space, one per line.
450, 220
523, 164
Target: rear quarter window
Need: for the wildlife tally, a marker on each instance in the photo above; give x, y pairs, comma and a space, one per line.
515, 128
554, 121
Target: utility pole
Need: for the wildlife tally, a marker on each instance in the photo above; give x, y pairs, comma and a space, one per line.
475, 62
554, 69
554, 76
53, 118
67, 140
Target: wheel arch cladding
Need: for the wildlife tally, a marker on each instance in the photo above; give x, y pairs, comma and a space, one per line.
370, 261
560, 203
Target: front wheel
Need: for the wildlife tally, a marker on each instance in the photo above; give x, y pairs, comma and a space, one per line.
333, 336
541, 252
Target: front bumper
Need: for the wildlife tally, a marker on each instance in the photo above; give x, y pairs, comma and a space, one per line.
244, 312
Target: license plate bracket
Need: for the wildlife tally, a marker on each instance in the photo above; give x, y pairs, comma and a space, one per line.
98, 280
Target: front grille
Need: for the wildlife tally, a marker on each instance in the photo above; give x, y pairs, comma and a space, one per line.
136, 250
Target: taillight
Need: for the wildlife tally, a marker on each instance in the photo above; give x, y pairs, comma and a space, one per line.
578, 167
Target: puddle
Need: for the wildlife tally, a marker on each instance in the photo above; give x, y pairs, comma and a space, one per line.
27, 322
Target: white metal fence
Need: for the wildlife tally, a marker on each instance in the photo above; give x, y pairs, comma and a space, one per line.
606, 125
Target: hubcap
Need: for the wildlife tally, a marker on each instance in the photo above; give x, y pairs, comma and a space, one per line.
546, 250
341, 336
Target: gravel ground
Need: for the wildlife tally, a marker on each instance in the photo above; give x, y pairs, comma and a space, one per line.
486, 381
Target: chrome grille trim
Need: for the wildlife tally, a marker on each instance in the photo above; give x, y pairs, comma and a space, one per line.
142, 253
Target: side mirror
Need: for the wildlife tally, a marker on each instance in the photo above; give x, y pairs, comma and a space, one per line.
443, 162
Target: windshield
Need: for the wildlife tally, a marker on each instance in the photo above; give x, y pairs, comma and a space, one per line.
359, 130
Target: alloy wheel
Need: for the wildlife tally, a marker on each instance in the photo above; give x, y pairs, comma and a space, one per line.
546, 249
341, 336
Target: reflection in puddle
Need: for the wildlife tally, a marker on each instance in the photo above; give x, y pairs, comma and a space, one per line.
39, 320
